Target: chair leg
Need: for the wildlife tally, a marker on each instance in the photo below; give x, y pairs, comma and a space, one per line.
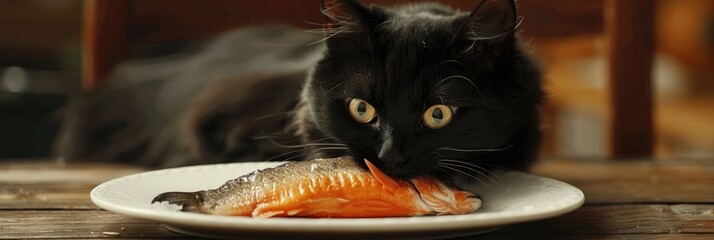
630, 32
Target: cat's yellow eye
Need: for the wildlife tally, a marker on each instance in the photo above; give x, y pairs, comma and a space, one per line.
361, 111
437, 116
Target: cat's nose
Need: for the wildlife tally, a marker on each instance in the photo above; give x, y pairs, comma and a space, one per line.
389, 152
391, 158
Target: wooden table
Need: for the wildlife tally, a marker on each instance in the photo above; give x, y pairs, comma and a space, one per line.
624, 200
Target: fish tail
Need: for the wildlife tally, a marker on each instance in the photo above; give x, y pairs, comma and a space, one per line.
190, 201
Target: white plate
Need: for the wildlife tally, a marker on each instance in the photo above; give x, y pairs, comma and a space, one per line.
520, 197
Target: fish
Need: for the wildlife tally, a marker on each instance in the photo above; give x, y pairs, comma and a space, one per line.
326, 188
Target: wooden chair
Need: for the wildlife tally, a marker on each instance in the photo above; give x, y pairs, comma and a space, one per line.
113, 30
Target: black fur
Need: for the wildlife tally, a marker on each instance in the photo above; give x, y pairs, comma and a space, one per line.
211, 106
396, 60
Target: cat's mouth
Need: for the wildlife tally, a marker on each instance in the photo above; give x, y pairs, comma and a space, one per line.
403, 171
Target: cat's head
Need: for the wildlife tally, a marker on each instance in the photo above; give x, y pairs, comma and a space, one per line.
416, 87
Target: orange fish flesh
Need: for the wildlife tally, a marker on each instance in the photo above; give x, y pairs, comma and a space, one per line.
334, 187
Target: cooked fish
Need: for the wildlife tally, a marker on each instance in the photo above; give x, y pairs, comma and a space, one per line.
335, 187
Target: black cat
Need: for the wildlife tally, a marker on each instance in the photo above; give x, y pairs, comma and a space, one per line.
423, 88
419, 89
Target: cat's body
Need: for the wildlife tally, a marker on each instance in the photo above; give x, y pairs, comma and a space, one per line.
394, 64
204, 105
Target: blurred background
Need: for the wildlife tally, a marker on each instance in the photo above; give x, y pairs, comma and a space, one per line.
44, 43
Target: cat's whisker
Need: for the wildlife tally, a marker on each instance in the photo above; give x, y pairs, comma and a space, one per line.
337, 24
330, 148
443, 94
462, 78
268, 137
313, 23
467, 162
273, 115
326, 31
321, 40
285, 140
454, 61
315, 150
473, 170
467, 174
302, 153
474, 162
475, 150
296, 156
329, 34
481, 163
332, 89
314, 143
471, 165
322, 139
337, 20
275, 135
283, 154
302, 147
506, 29
493, 165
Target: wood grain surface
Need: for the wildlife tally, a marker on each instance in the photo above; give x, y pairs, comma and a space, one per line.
644, 199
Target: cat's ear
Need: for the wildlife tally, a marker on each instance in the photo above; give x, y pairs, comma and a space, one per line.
349, 24
344, 16
491, 20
